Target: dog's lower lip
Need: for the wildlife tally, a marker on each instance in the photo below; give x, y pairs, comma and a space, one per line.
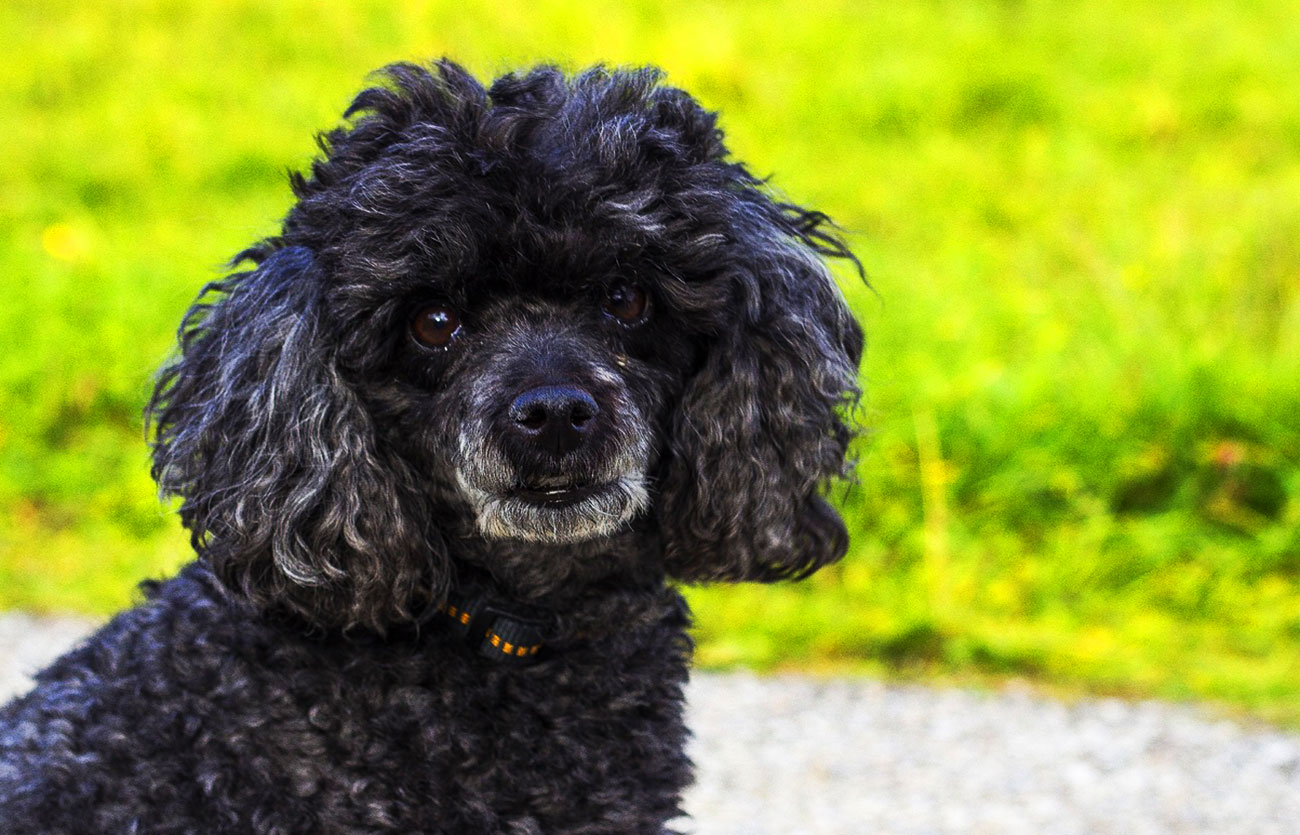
557, 495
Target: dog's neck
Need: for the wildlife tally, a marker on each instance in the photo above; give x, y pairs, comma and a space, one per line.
540, 598
555, 576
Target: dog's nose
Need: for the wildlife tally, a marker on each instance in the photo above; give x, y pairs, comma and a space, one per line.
555, 418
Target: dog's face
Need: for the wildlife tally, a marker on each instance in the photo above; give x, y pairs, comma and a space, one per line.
531, 385
546, 410
549, 314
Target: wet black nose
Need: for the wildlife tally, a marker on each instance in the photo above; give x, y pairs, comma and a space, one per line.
555, 418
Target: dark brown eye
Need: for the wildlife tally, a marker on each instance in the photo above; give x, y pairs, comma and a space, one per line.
626, 302
435, 326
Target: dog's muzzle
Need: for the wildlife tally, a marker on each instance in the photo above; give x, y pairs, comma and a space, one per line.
559, 463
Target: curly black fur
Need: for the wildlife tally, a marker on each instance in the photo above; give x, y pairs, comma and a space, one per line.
647, 375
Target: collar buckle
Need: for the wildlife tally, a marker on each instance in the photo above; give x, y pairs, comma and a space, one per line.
495, 631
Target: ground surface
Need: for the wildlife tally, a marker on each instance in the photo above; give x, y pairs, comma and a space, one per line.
793, 755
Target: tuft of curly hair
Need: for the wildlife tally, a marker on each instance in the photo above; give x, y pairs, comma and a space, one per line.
520, 356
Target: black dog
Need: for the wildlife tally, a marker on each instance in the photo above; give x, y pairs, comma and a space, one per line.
519, 355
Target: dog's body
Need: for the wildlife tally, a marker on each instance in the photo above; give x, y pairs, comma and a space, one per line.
519, 356
190, 714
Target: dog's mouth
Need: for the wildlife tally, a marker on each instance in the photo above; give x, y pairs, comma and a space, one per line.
561, 501
555, 492
557, 509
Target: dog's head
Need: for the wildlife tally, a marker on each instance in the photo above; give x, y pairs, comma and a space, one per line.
551, 314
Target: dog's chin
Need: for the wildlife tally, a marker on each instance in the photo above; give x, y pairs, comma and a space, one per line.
558, 514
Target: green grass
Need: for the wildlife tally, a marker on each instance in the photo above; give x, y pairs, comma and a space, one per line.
1080, 221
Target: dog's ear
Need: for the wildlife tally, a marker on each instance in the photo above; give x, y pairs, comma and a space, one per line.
285, 490
765, 424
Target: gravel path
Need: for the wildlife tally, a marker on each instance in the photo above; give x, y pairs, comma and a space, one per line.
796, 756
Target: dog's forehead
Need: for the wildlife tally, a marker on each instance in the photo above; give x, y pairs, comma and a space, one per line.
541, 246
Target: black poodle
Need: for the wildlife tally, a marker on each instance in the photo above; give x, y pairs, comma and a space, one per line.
520, 356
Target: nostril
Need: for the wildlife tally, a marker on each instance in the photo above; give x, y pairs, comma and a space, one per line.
534, 418
580, 415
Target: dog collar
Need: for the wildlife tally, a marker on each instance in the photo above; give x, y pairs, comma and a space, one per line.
495, 630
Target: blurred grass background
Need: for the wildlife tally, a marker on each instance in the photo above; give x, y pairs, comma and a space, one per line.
1082, 222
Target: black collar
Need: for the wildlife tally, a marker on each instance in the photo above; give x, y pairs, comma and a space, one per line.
501, 631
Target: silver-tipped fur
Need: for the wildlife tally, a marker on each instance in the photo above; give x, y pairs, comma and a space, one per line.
490, 483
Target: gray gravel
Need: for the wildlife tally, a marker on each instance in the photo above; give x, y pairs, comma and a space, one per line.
798, 756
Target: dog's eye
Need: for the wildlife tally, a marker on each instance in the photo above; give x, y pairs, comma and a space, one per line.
626, 302
435, 326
